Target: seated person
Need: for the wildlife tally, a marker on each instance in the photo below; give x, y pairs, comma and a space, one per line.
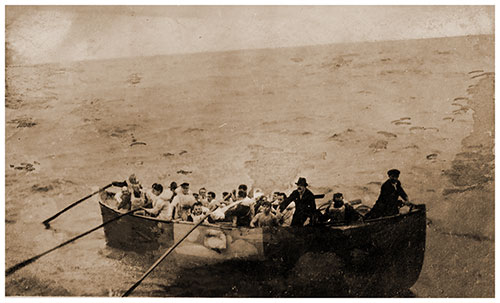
124, 199
244, 188
265, 218
159, 205
388, 202
152, 194
167, 194
274, 200
241, 211
202, 192
137, 199
227, 198
182, 202
134, 187
241, 187
197, 214
339, 212
219, 213
212, 203
279, 198
132, 183
260, 200
173, 187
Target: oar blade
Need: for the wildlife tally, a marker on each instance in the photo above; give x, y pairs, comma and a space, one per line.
18, 266
131, 289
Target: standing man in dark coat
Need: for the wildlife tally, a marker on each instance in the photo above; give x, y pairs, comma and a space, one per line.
305, 205
388, 202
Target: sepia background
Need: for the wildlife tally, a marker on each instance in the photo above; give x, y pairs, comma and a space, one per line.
257, 95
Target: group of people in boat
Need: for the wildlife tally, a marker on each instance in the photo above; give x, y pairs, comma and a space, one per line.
253, 209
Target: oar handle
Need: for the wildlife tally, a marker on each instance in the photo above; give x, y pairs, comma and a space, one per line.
46, 222
22, 264
131, 289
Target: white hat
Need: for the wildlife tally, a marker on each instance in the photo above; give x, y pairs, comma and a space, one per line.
257, 193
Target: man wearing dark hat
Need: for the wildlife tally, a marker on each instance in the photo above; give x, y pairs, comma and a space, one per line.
305, 204
388, 202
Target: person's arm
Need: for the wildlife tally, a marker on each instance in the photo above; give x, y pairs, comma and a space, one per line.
160, 205
173, 205
254, 220
252, 209
288, 200
401, 192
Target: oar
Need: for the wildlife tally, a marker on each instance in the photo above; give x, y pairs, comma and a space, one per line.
46, 222
131, 289
18, 266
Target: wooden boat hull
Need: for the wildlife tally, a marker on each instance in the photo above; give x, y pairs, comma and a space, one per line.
380, 257
136, 233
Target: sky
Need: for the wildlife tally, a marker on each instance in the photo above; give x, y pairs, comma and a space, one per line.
43, 34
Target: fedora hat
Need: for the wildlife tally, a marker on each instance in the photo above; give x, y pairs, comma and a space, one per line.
302, 182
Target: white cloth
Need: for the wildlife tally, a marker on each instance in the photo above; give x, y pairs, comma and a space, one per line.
218, 203
220, 213
161, 206
181, 202
118, 197
287, 214
167, 195
246, 201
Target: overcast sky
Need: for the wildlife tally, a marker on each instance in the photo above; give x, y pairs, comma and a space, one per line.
52, 34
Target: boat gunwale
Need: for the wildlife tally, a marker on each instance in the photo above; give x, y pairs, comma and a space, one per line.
418, 209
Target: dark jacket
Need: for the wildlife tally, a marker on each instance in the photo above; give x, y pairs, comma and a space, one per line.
388, 201
305, 207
